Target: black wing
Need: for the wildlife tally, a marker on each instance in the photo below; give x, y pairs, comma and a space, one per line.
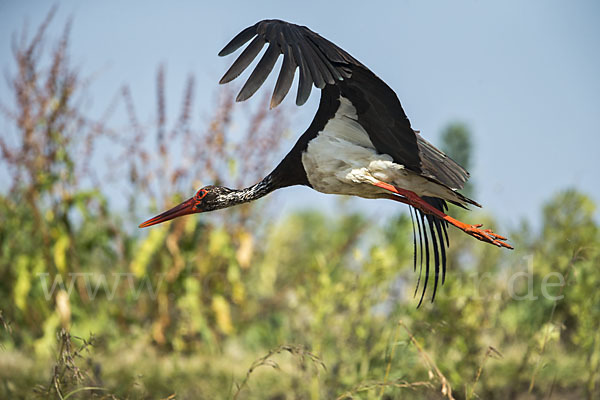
322, 63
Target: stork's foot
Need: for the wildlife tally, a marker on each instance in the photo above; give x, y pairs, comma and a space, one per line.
411, 198
486, 235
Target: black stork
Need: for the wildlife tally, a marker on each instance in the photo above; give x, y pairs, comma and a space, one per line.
359, 143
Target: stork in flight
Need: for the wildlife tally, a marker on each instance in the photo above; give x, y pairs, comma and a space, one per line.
359, 143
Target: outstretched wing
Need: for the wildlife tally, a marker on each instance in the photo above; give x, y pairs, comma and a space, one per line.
322, 63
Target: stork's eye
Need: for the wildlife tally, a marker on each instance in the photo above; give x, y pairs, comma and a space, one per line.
200, 194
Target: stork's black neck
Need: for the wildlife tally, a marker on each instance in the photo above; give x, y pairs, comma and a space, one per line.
290, 170
251, 193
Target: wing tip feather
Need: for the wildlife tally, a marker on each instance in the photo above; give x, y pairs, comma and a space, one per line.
321, 62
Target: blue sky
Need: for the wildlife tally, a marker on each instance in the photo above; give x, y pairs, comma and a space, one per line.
522, 74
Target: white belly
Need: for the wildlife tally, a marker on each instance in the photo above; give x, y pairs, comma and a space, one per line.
343, 160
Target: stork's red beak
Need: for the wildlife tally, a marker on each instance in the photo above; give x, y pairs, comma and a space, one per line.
185, 208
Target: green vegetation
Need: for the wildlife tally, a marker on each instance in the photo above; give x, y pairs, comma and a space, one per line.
243, 303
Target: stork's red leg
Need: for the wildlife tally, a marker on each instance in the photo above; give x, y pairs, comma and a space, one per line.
411, 198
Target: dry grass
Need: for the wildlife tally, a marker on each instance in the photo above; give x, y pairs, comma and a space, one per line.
68, 378
298, 352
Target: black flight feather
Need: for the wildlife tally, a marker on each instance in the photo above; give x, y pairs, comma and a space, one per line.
239, 40
412, 220
260, 73
434, 245
243, 60
417, 217
435, 237
285, 78
422, 215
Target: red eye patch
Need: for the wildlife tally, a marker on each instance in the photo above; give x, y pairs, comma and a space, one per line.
200, 195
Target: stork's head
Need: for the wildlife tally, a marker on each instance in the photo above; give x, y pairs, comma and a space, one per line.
208, 198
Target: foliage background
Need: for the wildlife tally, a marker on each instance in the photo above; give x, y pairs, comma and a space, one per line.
249, 303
